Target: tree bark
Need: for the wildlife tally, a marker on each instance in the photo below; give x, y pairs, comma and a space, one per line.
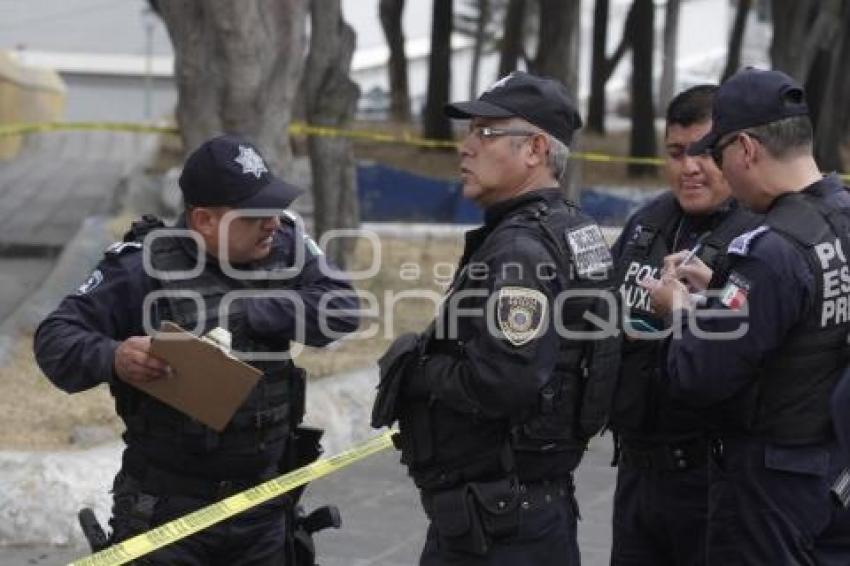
390, 13
478, 49
834, 117
331, 100
436, 124
512, 49
818, 60
237, 67
643, 142
603, 67
736, 39
557, 48
667, 88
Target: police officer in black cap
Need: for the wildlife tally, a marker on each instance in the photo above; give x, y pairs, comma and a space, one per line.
662, 479
766, 354
496, 401
231, 237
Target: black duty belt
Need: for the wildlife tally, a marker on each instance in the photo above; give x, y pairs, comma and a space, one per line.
531, 495
156, 481
676, 456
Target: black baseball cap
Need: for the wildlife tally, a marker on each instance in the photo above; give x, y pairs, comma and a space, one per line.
751, 97
540, 101
229, 171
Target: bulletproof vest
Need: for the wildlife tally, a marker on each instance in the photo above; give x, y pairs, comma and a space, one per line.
791, 398
642, 404
443, 448
274, 406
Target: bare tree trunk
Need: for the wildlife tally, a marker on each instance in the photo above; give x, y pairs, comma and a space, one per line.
558, 43
390, 12
819, 62
736, 39
480, 36
331, 98
667, 87
436, 125
512, 49
643, 142
237, 66
831, 124
603, 67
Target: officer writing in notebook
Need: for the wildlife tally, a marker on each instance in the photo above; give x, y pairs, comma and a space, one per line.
662, 479
766, 354
172, 464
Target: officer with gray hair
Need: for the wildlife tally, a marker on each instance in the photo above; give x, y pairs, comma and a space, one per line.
497, 400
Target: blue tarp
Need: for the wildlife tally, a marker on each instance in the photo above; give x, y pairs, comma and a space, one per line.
392, 195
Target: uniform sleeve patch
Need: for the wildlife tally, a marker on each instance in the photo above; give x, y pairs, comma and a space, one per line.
741, 244
591, 254
521, 314
119, 248
94, 280
735, 292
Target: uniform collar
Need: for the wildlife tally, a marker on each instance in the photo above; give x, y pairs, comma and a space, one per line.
496, 212
826, 185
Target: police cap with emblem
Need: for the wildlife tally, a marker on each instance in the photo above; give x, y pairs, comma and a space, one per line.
229, 171
538, 100
751, 97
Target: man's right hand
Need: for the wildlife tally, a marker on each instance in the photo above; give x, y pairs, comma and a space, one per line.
134, 363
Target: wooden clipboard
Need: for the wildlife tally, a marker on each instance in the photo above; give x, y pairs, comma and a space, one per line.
208, 384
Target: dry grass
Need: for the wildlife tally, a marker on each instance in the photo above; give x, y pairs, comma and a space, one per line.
36, 415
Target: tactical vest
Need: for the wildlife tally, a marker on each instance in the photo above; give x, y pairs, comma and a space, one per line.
444, 448
790, 399
270, 411
642, 404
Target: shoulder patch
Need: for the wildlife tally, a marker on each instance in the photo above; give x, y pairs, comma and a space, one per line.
590, 251
95, 279
521, 313
741, 244
118, 248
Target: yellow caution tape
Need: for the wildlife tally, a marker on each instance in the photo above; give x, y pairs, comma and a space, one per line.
302, 129
182, 527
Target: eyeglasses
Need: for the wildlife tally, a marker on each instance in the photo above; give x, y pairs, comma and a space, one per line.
717, 151
488, 132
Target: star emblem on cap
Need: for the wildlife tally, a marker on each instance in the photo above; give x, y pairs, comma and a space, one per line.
251, 161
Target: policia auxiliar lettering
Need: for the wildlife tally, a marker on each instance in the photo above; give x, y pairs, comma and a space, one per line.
496, 401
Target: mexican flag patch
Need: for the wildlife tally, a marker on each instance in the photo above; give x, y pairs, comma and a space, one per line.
734, 294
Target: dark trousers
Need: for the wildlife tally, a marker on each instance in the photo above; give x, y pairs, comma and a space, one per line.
772, 505
253, 538
660, 516
546, 535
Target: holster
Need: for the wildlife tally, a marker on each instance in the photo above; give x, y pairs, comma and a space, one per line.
393, 365
304, 449
469, 518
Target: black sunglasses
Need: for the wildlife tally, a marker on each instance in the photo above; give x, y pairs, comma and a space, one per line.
717, 151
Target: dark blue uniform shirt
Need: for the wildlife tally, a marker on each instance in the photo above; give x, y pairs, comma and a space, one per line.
781, 292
